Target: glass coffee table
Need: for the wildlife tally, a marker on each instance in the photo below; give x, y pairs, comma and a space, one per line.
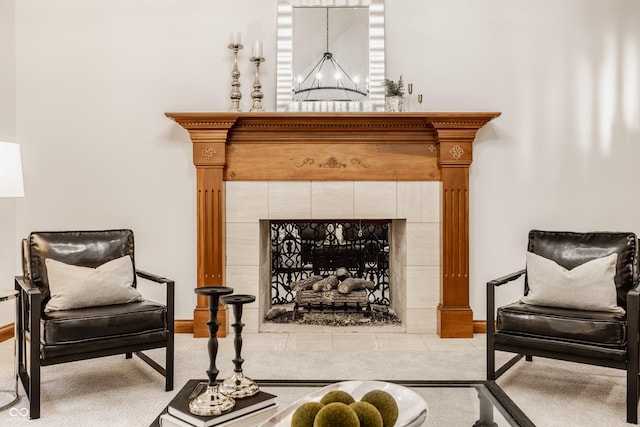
450, 403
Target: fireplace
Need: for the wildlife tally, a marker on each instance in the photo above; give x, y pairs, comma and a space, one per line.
258, 159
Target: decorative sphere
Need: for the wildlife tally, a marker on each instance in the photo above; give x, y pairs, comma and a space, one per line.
337, 396
368, 414
305, 414
336, 414
386, 405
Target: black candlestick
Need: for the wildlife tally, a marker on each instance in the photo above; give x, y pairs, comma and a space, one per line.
238, 386
211, 401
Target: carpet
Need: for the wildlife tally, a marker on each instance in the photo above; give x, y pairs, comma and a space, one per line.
113, 391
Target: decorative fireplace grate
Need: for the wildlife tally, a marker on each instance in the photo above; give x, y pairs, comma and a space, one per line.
302, 248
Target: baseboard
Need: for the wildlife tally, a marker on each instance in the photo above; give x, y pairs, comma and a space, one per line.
479, 326
183, 326
6, 332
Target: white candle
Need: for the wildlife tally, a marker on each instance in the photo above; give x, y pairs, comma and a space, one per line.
257, 49
235, 38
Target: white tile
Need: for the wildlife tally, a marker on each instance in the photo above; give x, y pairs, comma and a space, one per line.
242, 244
250, 318
423, 244
349, 342
479, 341
265, 341
309, 342
332, 200
289, 200
243, 279
419, 201
246, 200
400, 342
423, 286
435, 343
421, 321
375, 199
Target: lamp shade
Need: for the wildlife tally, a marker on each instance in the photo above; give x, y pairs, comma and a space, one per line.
10, 170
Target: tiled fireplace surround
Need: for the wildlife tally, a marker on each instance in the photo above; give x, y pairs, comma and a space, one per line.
412, 168
415, 239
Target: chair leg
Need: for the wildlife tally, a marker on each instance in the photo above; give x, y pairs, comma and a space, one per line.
491, 351
632, 391
528, 358
169, 366
491, 358
34, 391
128, 355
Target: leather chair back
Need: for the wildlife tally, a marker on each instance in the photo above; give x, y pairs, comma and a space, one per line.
570, 249
81, 248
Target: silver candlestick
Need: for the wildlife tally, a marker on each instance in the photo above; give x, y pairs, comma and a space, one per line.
235, 79
257, 95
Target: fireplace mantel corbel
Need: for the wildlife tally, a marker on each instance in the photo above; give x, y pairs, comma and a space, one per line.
332, 147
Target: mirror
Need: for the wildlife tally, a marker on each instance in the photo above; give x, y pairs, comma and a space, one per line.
330, 55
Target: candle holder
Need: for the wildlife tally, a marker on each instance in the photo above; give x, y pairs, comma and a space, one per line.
410, 91
257, 95
211, 402
420, 101
238, 386
235, 95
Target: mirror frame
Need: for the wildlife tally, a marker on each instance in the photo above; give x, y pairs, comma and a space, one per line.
284, 72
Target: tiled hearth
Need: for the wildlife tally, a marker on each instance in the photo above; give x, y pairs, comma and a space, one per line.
413, 207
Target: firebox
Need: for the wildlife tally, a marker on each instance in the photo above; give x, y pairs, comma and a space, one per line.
330, 264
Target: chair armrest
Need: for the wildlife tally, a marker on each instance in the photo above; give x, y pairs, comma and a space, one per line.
24, 285
633, 322
170, 293
28, 318
491, 297
506, 279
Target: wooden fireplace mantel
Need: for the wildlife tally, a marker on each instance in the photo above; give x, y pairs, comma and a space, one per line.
431, 146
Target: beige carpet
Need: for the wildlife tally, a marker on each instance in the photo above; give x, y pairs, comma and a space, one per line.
113, 391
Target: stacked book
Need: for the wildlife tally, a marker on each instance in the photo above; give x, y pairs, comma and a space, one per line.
248, 411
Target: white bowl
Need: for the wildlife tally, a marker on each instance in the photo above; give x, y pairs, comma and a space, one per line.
412, 408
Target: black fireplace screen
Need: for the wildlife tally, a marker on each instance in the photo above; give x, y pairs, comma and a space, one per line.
300, 249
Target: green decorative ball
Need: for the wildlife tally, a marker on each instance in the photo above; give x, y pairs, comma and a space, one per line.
306, 414
337, 396
336, 414
386, 405
368, 414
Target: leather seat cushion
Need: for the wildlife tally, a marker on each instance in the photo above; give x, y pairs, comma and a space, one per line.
592, 327
95, 323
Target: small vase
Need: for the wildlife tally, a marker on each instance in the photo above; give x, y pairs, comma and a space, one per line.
394, 104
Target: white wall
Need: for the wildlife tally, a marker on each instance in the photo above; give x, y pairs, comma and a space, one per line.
95, 77
8, 259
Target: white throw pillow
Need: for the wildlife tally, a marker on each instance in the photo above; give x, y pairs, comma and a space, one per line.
72, 286
589, 286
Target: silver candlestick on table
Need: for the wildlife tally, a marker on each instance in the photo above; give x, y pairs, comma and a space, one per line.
235, 78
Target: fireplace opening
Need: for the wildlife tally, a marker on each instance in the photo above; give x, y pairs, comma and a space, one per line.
331, 272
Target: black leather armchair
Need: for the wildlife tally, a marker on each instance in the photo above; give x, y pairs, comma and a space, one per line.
51, 337
593, 337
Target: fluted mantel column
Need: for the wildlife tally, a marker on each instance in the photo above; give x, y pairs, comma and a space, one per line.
430, 146
455, 317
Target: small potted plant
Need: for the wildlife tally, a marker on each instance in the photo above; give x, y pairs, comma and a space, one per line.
394, 95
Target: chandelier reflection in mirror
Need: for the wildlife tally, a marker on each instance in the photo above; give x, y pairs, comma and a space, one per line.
327, 79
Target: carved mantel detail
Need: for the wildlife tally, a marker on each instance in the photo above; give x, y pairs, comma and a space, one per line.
338, 146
